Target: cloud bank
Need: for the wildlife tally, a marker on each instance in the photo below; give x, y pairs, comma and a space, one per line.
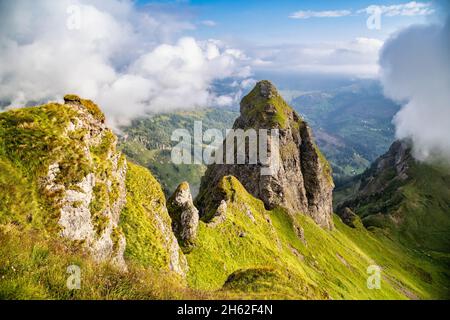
415, 70
358, 57
129, 61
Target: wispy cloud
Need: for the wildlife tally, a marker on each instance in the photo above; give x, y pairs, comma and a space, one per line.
208, 23
319, 14
412, 8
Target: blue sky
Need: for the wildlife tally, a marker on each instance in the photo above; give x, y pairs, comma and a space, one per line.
268, 22
288, 36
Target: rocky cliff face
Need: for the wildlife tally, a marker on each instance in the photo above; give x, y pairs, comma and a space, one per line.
303, 181
386, 175
90, 205
397, 160
406, 198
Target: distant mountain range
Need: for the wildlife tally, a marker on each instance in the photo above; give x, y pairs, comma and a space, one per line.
352, 124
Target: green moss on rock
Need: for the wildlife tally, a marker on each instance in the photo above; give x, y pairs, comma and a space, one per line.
265, 105
88, 104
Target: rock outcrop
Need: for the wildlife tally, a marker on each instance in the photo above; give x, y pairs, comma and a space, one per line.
90, 205
184, 215
82, 189
397, 158
303, 181
348, 217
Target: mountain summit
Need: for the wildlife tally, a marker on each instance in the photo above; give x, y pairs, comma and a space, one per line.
303, 181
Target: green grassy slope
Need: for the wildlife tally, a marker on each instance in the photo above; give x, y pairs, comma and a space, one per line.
414, 212
426, 209
34, 260
268, 258
141, 220
30, 140
33, 257
411, 208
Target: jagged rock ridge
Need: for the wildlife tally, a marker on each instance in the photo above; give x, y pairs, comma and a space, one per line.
385, 176
303, 182
406, 198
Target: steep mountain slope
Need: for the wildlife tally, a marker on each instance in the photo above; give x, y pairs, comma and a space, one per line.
302, 181
243, 251
75, 176
147, 225
264, 234
248, 250
409, 200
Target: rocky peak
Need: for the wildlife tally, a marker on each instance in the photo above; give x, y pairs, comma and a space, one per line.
396, 159
92, 108
303, 182
70, 158
264, 108
266, 89
184, 215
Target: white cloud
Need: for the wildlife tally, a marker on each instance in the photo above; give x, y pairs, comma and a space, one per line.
415, 68
122, 58
412, 8
319, 14
358, 57
208, 23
